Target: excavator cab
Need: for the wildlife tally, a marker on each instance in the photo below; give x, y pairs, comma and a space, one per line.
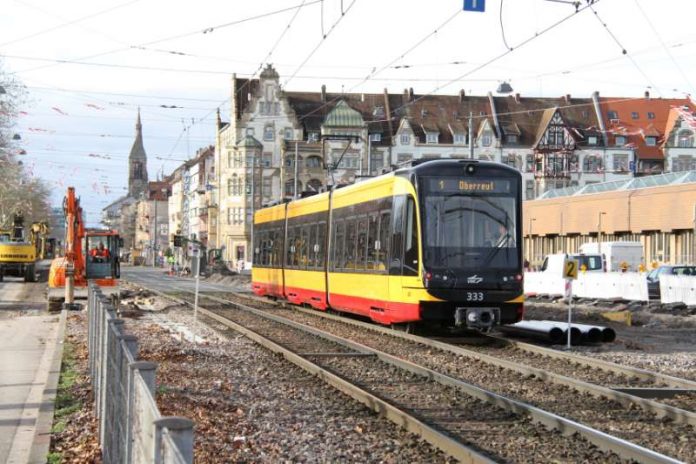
101, 252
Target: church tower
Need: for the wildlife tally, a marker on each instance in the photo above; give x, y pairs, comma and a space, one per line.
137, 164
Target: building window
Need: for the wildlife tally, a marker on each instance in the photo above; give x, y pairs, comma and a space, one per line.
268, 134
620, 141
686, 139
431, 137
230, 214
529, 189
287, 134
313, 162
511, 138
289, 161
621, 162
314, 185
267, 187
510, 160
651, 141
651, 115
266, 160
592, 164
376, 137
529, 163
347, 162
612, 115
459, 139
486, 139
249, 131
230, 187
290, 187
683, 163
592, 140
313, 137
405, 139
634, 115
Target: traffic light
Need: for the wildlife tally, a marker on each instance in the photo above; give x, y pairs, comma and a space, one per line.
178, 242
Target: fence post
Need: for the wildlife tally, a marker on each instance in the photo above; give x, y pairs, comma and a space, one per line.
108, 393
147, 371
180, 429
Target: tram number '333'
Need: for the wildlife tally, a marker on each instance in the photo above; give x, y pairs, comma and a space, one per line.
474, 296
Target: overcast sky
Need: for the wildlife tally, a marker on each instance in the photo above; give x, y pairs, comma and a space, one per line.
89, 65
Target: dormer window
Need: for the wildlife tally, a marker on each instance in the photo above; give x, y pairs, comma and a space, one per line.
511, 138
405, 139
651, 115
250, 131
431, 137
376, 137
459, 139
686, 139
592, 140
486, 139
651, 141
612, 115
620, 141
634, 115
313, 136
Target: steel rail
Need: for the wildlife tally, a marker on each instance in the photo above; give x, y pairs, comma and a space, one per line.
621, 395
604, 441
399, 417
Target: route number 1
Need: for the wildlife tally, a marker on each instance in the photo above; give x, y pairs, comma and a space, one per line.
570, 269
475, 5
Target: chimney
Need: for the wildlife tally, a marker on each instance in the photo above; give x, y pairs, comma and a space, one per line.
462, 94
410, 94
567, 98
362, 97
323, 92
647, 94
405, 97
517, 98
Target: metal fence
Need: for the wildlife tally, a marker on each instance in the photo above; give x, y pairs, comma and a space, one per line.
131, 428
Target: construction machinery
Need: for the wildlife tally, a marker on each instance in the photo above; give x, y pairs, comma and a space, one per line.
90, 255
17, 251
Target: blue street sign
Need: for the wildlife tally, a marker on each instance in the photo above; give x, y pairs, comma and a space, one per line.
632, 166
475, 5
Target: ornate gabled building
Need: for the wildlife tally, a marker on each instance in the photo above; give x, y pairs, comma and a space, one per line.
279, 144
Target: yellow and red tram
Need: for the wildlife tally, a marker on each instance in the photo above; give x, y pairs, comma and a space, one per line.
435, 242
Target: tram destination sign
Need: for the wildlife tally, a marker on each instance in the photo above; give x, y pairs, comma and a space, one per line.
468, 185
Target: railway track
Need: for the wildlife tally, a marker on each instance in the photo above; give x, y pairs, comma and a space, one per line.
414, 386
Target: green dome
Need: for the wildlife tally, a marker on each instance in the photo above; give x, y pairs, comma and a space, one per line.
343, 116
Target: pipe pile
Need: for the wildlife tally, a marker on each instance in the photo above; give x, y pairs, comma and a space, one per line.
556, 332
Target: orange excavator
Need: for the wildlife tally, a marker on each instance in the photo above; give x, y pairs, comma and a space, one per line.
91, 255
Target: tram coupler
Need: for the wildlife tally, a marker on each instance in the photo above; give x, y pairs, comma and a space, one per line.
476, 318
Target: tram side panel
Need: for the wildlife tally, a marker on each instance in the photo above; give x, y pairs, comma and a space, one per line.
305, 251
268, 249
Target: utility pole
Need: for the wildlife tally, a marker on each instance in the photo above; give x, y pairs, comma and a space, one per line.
471, 135
294, 197
154, 245
253, 204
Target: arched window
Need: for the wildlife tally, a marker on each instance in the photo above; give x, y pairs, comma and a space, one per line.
314, 185
313, 162
268, 133
686, 139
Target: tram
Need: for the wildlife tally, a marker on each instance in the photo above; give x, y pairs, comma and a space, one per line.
435, 243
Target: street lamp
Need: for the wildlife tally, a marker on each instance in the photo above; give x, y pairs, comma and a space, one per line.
599, 232
531, 241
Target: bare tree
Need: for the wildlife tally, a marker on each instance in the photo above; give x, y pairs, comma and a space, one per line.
18, 190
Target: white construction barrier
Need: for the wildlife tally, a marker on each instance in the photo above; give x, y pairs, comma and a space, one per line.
602, 285
677, 288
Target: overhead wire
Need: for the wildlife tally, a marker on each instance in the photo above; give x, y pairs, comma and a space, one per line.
623, 49
664, 46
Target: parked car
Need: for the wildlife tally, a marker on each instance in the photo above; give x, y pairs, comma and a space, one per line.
653, 277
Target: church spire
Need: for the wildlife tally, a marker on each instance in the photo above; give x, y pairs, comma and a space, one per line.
137, 163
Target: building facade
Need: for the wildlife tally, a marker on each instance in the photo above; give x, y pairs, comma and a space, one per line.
278, 144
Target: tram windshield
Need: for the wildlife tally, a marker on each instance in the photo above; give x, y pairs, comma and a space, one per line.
470, 224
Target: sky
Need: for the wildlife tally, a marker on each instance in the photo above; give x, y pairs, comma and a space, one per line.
88, 66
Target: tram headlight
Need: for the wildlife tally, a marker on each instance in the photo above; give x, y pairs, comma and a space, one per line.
470, 169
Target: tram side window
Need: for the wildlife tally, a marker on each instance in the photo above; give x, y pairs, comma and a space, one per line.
321, 243
349, 249
338, 245
372, 238
277, 247
382, 254
361, 252
397, 242
411, 240
265, 251
302, 248
289, 248
312, 263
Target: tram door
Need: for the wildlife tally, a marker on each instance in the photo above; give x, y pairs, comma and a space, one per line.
404, 257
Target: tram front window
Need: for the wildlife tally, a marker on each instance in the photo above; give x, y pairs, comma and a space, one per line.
470, 224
